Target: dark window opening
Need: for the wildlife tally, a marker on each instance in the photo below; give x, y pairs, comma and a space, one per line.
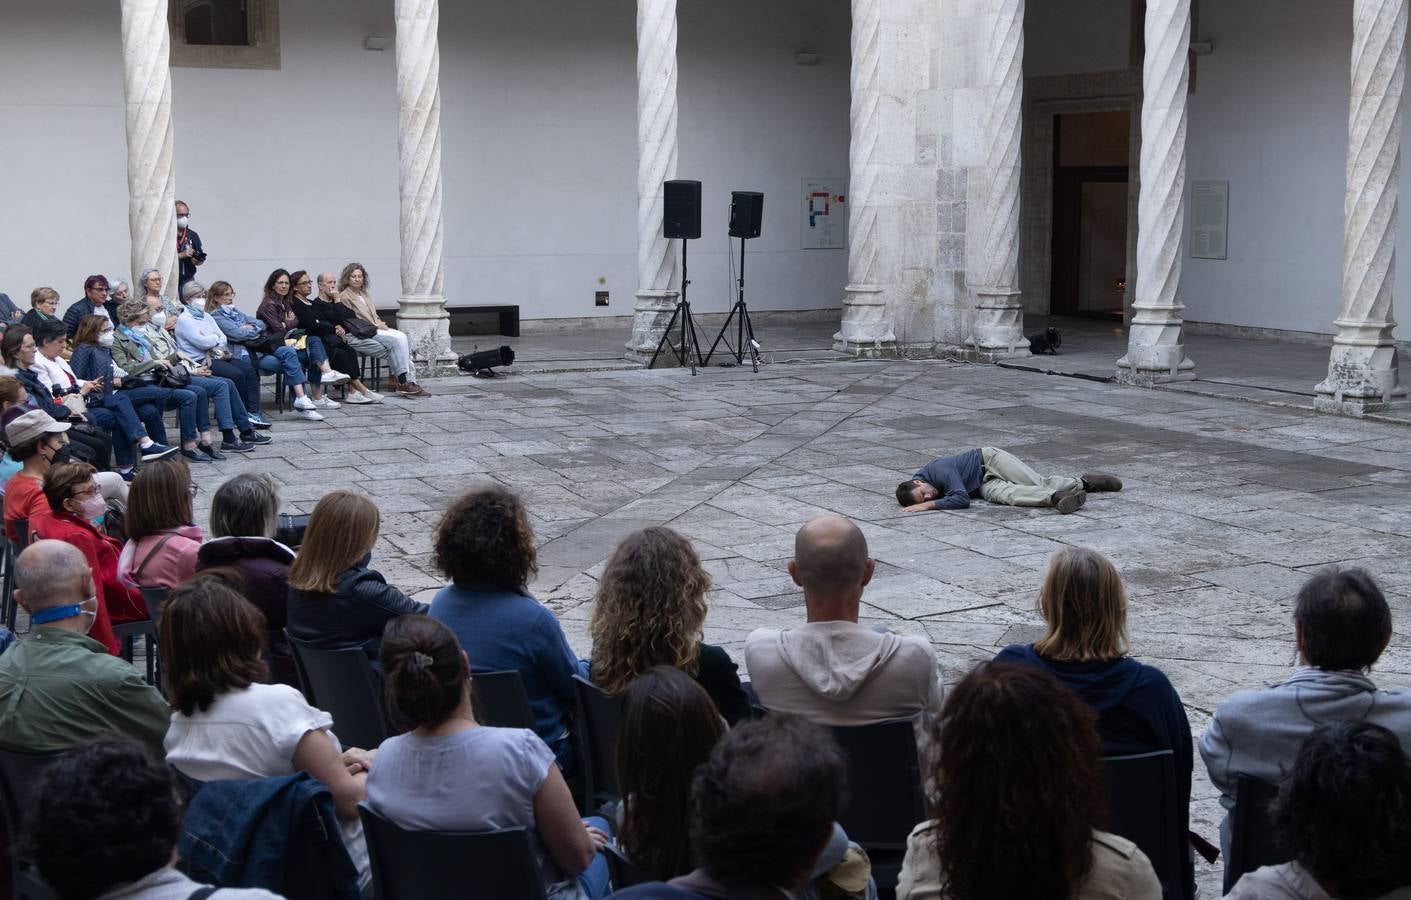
216, 22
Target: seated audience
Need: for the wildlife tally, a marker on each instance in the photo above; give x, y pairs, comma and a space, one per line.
44, 307
485, 545
352, 291
36, 442
1018, 799
105, 824
335, 599
75, 505
162, 537
1344, 812
199, 337
762, 811
1341, 625
59, 686
832, 669
276, 312
649, 611
95, 302
420, 780
18, 349
244, 515
269, 353
228, 723
329, 320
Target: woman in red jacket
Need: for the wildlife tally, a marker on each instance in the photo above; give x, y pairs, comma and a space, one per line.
75, 501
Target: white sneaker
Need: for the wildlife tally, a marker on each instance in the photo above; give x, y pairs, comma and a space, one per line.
305, 402
357, 399
334, 378
372, 395
310, 415
328, 402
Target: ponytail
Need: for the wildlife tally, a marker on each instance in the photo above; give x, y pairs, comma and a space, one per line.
424, 671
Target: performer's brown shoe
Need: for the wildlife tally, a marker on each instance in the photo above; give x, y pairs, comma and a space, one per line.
1096, 481
1069, 500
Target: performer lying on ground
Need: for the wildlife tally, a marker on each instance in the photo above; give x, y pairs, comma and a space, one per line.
999, 477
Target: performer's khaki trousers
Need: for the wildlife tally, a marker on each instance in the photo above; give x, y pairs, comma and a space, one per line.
1009, 480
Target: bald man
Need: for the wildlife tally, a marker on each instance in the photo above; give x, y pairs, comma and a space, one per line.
832, 669
59, 687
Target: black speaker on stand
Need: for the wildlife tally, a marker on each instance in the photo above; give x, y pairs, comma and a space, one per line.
681, 220
746, 218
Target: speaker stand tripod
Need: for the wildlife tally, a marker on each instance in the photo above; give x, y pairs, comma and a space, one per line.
744, 336
689, 341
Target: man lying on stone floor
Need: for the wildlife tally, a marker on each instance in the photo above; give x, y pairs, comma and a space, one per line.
999, 477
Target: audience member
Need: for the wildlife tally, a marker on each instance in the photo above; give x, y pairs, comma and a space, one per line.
276, 311
105, 825
199, 337
60, 686
244, 515
75, 503
329, 321
1344, 812
151, 283
1341, 625
420, 779
121, 292
35, 442
43, 307
1018, 799
649, 611
95, 301
189, 252
228, 723
762, 812
10, 314
352, 291
832, 669
335, 599
16, 347
13, 398
162, 537
485, 545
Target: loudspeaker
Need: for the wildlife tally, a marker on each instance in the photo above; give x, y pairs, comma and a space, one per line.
681, 217
746, 213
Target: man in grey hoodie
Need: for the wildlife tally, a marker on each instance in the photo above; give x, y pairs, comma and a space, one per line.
1341, 625
831, 669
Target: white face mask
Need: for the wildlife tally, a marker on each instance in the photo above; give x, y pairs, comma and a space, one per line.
105, 339
159, 319
197, 306
183, 221
89, 610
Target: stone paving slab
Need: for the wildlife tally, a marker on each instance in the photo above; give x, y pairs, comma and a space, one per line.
1227, 507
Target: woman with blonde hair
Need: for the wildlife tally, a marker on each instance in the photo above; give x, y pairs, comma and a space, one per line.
44, 306
335, 599
650, 610
353, 293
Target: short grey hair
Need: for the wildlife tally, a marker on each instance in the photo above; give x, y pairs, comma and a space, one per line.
49, 573
119, 283
246, 506
190, 289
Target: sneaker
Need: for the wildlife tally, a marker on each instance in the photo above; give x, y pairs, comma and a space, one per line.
258, 420
211, 452
420, 391
241, 446
327, 402
1070, 500
372, 395
128, 475
155, 450
309, 415
304, 403
356, 399
254, 437
333, 379
1096, 481
409, 389
193, 456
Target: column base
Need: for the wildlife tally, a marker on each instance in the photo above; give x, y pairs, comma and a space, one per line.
866, 329
998, 333
1156, 350
1144, 374
649, 317
428, 329
1361, 379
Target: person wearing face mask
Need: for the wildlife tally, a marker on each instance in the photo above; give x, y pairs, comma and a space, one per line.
96, 300
17, 350
189, 254
36, 441
59, 687
75, 502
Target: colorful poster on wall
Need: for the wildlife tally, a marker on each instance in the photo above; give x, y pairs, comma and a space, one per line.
825, 214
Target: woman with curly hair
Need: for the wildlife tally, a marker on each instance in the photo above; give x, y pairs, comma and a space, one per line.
650, 610
485, 546
1018, 798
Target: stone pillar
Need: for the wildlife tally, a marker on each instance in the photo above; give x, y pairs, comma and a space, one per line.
1362, 369
151, 179
1156, 350
867, 321
656, 163
422, 305
999, 316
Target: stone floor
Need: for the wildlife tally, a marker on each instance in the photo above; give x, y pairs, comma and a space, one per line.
1228, 504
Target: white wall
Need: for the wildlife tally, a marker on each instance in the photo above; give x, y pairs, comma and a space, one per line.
298, 167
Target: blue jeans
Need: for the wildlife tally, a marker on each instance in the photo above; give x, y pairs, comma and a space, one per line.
165, 398
120, 420
286, 360
230, 410
244, 377
313, 358
592, 882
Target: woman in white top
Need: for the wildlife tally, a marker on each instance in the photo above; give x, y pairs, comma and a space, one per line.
229, 724
353, 293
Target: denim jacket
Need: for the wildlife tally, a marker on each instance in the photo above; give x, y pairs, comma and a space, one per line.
280, 834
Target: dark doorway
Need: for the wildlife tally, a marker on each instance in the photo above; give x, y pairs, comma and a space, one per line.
1090, 214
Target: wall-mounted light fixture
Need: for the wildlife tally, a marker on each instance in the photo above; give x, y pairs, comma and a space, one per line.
806, 57
1202, 48
376, 42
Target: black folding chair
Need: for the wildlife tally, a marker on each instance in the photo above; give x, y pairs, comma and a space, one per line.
597, 739
1252, 842
885, 795
499, 699
19, 774
1143, 806
128, 633
412, 865
621, 870
343, 684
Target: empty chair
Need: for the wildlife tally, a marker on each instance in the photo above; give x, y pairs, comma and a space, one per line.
1143, 807
1252, 842
499, 699
412, 865
19, 774
343, 684
597, 734
885, 798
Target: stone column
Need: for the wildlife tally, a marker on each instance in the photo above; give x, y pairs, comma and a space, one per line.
1156, 350
1362, 369
151, 179
867, 321
656, 163
999, 316
422, 305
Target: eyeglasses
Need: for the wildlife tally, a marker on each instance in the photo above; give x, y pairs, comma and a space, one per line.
305, 283
86, 492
